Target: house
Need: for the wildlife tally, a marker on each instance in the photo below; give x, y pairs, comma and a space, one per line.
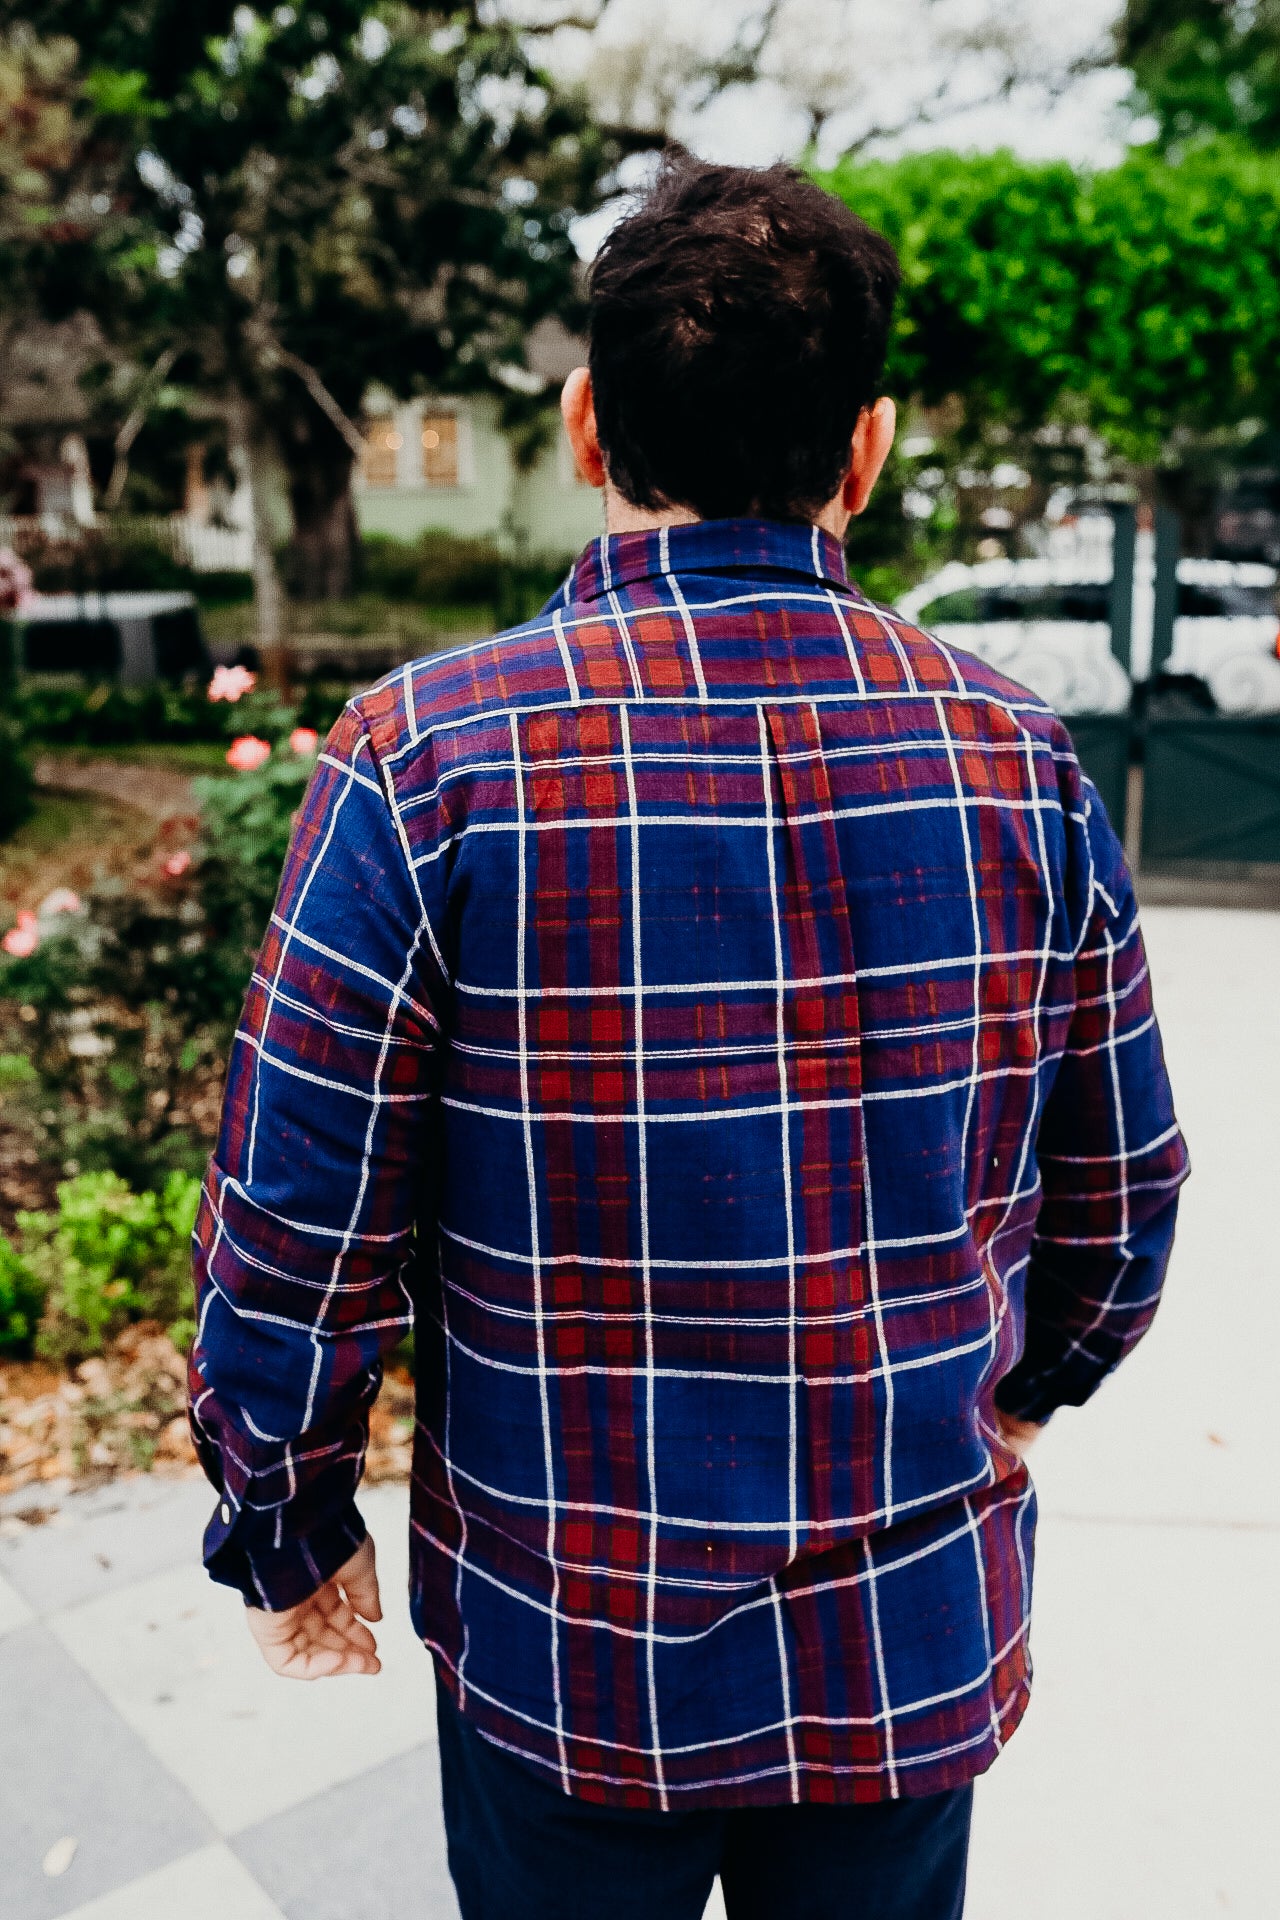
447, 464
44, 413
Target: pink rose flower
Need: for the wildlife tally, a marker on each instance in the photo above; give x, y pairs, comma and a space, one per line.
22, 940
304, 740
248, 753
177, 863
229, 683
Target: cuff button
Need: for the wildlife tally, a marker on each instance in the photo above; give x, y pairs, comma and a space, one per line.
225, 1511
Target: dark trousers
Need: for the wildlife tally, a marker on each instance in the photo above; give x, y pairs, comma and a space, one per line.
520, 1849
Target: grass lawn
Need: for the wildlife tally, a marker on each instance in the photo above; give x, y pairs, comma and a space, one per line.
362, 616
173, 756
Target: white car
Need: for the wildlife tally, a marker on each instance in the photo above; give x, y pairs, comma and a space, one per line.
1046, 622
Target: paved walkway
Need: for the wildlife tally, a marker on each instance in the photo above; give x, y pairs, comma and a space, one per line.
138, 1721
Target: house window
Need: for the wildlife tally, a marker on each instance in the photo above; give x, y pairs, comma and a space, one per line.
381, 454
441, 465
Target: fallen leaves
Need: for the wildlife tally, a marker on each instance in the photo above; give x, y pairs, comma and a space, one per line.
119, 1412
125, 1412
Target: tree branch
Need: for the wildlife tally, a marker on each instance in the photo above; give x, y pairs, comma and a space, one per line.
316, 387
132, 424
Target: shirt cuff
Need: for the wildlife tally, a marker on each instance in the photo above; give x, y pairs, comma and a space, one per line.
278, 1577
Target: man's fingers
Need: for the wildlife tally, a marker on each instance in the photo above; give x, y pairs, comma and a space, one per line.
326, 1635
323, 1636
343, 1630
305, 1657
359, 1581
326, 1663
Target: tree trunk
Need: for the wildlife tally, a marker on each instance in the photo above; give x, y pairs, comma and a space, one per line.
247, 454
322, 554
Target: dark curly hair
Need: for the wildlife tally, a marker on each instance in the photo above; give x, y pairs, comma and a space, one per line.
739, 320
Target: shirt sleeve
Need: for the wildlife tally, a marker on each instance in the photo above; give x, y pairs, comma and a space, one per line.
305, 1235
1111, 1155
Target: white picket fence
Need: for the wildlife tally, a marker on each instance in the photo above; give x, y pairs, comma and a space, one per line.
207, 549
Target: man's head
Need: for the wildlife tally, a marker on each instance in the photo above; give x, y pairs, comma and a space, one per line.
739, 319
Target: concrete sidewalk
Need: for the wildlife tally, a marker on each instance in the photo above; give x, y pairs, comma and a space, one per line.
138, 1720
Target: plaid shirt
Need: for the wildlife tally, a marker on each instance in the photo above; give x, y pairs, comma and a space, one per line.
715, 1015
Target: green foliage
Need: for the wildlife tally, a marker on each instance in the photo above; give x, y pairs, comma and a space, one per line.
449, 570
104, 713
22, 1297
223, 588
114, 1031
1179, 323
992, 256
121, 1017
1205, 68
1142, 301
247, 823
119, 556
15, 780
335, 192
110, 1256
438, 568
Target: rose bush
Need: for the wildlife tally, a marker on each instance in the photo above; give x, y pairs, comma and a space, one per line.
116, 1012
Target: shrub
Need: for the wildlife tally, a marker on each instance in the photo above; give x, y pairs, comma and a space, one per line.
223, 588
110, 1256
114, 1028
58, 712
107, 559
246, 825
524, 587
448, 570
437, 569
21, 1302
104, 713
15, 780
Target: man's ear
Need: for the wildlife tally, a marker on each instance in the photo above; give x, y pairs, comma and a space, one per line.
578, 410
872, 439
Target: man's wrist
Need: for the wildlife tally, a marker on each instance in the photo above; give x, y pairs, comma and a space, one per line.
273, 1577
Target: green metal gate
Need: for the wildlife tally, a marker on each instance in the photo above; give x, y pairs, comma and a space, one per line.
1212, 789
1102, 747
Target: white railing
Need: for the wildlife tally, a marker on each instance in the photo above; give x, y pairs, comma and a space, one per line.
206, 549
212, 549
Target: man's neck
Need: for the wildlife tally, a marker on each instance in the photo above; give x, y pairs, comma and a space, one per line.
620, 516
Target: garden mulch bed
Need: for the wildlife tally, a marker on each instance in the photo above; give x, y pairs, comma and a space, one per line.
124, 1412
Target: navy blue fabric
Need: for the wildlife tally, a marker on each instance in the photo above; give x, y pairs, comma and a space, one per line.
715, 1016
519, 1846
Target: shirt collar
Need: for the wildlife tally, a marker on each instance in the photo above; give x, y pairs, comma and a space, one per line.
753, 547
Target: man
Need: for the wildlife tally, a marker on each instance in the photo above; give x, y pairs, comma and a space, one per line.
715, 1016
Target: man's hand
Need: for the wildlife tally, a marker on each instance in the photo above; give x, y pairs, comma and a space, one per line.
1016, 1434
326, 1634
